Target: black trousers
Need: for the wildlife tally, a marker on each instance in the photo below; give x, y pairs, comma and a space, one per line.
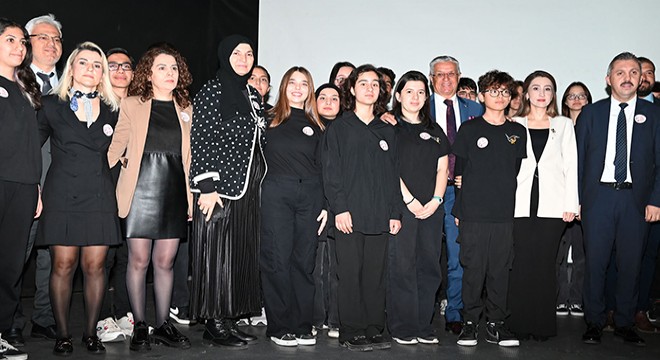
361, 269
569, 288
325, 280
486, 256
414, 275
18, 203
289, 208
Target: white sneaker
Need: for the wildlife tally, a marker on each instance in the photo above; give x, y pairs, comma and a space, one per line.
7, 351
285, 340
260, 320
126, 324
405, 341
108, 331
307, 339
333, 333
314, 331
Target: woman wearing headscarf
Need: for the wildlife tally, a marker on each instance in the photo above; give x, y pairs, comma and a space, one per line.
226, 171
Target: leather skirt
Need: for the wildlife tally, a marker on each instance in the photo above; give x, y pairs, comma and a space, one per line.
159, 207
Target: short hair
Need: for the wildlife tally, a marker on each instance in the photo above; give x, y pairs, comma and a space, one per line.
646, 60
466, 82
335, 69
425, 111
348, 99
122, 51
565, 111
551, 110
389, 73
44, 19
444, 58
495, 79
623, 56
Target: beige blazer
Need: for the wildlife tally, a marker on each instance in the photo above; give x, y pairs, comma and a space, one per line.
128, 146
558, 179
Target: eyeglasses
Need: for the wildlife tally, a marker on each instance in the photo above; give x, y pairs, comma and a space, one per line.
126, 66
495, 92
47, 38
466, 93
576, 96
447, 75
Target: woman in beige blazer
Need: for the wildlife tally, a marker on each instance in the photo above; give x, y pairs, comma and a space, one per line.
152, 142
546, 199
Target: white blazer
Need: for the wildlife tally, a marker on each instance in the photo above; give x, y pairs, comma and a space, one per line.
557, 168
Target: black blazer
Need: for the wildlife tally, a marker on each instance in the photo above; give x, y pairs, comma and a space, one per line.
591, 131
79, 177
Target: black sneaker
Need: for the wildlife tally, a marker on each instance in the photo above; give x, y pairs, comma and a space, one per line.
469, 334
379, 342
357, 343
497, 333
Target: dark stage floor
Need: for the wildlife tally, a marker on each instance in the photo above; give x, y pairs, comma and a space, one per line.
567, 345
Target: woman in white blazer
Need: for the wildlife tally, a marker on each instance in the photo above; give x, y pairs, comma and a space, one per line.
546, 199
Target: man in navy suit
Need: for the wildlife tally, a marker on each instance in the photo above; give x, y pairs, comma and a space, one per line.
618, 142
449, 111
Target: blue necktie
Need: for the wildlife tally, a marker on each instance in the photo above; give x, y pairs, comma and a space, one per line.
621, 156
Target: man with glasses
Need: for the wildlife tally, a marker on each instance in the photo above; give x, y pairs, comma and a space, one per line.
489, 151
120, 64
450, 111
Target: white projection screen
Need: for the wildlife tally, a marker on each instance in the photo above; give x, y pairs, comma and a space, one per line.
571, 39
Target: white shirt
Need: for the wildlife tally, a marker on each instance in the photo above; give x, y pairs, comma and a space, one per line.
610, 151
441, 111
54, 80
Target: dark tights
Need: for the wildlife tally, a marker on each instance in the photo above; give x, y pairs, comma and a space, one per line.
139, 255
65, 262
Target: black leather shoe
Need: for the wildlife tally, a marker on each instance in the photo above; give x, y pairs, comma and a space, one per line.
234, 330
140, 340
14, 337
629, 336
455, 327
218, 333
93, 344
379, 342
41, 332
169, 335
63, 347
592, 335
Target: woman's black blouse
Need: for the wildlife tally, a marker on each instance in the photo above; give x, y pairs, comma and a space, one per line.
292, 148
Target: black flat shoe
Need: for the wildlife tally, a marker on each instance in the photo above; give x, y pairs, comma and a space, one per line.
234, 330
41, 332
140, 340
218, 333
592, 335
63, 347
629, 336
14, 337
93, 344
169, 335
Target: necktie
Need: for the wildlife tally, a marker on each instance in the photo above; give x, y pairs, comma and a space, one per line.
451, 134
45, 78
621, 156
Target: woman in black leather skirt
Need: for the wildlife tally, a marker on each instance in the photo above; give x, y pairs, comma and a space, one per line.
152, 192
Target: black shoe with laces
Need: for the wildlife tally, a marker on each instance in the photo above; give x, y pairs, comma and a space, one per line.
14, 337
497, 333
93, 344
43, 332
218, 333
468, 335
234, 330
63, 347
169, 335
140, 340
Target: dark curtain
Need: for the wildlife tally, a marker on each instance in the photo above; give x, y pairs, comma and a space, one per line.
194, 27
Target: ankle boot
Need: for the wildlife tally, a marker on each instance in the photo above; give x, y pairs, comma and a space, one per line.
218, 332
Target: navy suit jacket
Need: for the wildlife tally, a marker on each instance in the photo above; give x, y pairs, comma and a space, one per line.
468, 109
591, 131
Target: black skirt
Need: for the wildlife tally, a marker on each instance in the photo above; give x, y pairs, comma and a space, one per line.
160, 206
225, 254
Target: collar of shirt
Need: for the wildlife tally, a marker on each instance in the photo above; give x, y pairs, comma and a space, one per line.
53, 80
648, 97
441, 111
629, 110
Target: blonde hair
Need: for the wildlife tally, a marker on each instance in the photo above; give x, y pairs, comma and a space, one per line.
104, 87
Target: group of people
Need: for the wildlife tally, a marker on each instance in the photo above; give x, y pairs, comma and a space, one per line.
327, 209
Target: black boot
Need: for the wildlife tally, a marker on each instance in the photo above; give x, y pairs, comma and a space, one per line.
169, 335
218, 332
234, 330
140, 340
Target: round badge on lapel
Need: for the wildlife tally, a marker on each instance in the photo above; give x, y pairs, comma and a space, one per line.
107, 130
3, 92
424, 135
640, 118
482, 142
383, 145
308, 131
185, 117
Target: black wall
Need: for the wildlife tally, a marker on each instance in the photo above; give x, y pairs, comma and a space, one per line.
195, 27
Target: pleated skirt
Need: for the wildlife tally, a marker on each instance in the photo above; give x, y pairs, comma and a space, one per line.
225, 255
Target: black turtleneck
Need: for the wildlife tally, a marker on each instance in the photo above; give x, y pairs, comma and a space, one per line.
292, 148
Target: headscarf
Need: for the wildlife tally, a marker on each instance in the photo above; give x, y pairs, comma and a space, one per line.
232, 100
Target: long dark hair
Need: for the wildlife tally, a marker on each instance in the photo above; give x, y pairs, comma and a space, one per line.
335, 70
565, 111
23, 74
348, 99
425, 111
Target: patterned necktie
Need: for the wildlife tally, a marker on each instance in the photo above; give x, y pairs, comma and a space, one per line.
451, 134
621, 156
45, 78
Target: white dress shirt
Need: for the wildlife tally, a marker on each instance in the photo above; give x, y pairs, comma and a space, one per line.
441, 111
610, 151
54, 80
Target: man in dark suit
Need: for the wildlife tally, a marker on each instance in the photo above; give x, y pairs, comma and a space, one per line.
618, 142
449, 111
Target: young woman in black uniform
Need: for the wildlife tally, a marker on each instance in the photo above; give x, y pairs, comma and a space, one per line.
79, 220
20, 155
291, 205
414, 253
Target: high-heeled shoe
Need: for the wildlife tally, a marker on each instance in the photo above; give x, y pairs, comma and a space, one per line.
169, 335
93, 344
63, 346
140, 340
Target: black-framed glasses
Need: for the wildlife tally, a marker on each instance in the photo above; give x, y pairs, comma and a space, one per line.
466, 93
126, 66
47, 38
576, 97
495, 92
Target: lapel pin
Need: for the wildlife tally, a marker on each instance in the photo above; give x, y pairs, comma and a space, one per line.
640, 118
